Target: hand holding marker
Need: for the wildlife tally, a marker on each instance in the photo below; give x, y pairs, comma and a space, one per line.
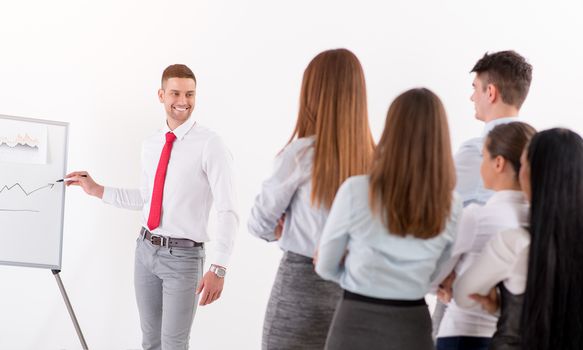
68, 179
83, 180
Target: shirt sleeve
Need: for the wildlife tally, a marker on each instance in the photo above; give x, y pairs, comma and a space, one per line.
218, 166
335, 237
448, 259
277, 192
466, 233
467, 164
492, 266
123, 198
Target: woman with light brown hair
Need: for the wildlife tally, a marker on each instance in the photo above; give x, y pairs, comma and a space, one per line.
331, 142
388, 233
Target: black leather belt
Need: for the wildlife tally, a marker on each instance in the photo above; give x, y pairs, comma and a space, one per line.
168, 241
389, 302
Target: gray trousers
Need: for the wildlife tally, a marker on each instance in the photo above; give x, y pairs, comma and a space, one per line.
165, 281
437, 317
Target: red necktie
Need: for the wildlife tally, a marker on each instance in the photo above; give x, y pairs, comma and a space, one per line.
156, 205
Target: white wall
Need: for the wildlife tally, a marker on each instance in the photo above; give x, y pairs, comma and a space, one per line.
97, 64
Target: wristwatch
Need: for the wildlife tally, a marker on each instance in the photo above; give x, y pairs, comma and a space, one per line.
218, 270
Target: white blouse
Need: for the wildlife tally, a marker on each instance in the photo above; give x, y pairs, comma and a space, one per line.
378, 263
505, 259
288, 190
504, 210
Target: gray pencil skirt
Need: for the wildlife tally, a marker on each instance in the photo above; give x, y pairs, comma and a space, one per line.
370, 326
300, 308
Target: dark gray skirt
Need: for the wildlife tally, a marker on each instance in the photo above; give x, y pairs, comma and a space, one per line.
369, 326
300, 308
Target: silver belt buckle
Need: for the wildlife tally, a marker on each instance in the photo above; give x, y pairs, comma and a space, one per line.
162, 239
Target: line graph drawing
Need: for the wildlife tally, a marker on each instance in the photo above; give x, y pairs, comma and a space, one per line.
18, 187
20, 140
23, 142
26, 193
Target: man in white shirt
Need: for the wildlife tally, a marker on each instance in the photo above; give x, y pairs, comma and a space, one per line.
185, 168
500, 86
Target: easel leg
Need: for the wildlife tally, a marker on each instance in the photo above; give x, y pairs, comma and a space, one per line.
70, 309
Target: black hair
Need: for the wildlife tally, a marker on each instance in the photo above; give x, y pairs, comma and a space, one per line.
552, 316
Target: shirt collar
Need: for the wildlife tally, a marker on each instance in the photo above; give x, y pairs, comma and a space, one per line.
498, 121
182, 130
508, 196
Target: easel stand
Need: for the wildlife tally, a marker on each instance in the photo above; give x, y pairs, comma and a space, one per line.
70, 309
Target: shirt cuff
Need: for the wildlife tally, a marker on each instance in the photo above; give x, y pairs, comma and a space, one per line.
221, 259
108, 195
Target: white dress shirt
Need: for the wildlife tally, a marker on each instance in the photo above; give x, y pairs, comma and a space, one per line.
379, 264
504, 259
467, 163
478, 224
200, 174
288, 191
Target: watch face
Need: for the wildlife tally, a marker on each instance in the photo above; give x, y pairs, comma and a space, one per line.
219, 271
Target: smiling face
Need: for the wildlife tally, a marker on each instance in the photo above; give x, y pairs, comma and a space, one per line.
177, 95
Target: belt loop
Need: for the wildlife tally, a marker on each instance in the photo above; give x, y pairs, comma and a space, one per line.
166, 242
143, 233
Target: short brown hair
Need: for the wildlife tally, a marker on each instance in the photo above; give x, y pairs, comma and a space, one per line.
508, 141
333, 108
508, 72
413, 175
177, 71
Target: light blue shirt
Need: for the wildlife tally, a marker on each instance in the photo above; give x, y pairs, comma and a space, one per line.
379, 264
467, 163
288, 190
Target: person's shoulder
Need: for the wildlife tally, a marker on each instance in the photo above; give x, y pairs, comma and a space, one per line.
210, 138
298, 151
357, 181
201, 131
299, 145
355, 187
472, 144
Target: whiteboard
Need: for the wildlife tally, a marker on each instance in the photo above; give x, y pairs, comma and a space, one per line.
33, 155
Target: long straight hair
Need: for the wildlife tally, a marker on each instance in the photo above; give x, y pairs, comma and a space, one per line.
413, 176
552, 316
333, 108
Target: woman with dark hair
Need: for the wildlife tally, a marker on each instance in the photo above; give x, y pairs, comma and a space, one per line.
389, 232
472, 329
538, 270
331, 142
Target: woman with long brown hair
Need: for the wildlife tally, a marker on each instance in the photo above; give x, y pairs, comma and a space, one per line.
331, 142
388, 233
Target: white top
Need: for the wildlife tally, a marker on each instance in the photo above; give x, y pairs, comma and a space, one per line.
478, 224
288, 191
467, 163
200, 174
379, 264
504, 259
